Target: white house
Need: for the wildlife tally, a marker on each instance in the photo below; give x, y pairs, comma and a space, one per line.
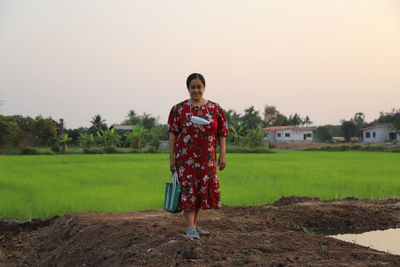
289, 134
379, 133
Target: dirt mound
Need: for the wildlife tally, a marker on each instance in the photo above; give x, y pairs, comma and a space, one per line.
334, 217
271, 235
284, 201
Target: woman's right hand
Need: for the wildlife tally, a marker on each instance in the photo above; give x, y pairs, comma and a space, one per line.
171, 152
172, 164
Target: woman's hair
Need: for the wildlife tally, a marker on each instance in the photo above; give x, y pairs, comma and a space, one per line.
195, 76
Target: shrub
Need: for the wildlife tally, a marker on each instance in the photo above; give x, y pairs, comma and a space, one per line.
343, 148
10, 133
134, 150
395, 149
47, 152
374, 148
238, 149
93, 150
151, 150
261, 149
347, 148
11, 151
111, 149
311, 148
56, 148
30, 151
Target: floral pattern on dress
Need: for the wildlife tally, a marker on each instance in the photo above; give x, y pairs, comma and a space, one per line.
195, 153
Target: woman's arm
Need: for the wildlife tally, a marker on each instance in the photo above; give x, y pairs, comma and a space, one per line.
171, 152
221, 159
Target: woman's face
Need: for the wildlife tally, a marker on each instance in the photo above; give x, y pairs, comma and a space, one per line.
196, 89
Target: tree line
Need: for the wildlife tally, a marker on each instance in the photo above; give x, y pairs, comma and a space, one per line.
352, 127
22, 132
246, 129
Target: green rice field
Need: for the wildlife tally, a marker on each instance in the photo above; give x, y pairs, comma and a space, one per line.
46, 185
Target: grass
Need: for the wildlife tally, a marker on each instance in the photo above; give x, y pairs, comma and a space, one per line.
44, 185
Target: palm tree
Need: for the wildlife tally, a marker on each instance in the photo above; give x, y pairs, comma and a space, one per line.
88, 140
136, 137
155, 134
255, 137
307, 121
236, 134
113, 137
132, 118
97, 124
108, 137
101, 138
64, 139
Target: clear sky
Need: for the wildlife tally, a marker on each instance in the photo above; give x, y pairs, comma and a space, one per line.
72, 59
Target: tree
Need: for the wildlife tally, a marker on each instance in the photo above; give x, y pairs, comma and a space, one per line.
359, 121
251, 118
164, 132
101, 139
281, 120
97, 124
62, 126
46, 132
64, 139
349, 130
147, 121
271, 115
87, 140
388, 117
255, 137
392, 116
28, 132
113, 137
155, 134
232, 118
26, 124
236, 134
10, 133
323, 134
396, 123
75, 134
336, 130
109, 137
307, 121
136, 138
295, 119
132, 118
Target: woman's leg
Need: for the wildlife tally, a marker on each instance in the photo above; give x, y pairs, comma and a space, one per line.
190, 218
196, 216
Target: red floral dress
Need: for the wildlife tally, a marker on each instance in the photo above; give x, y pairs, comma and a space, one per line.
195, 153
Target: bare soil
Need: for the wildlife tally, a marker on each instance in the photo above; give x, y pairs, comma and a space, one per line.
288, 233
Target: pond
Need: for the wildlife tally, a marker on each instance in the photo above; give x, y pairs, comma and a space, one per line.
386, 240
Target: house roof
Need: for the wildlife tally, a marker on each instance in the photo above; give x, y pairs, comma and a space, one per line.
378, 125
295, 128
122, 127
277, 127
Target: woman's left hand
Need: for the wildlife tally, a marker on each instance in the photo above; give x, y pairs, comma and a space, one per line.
221, 162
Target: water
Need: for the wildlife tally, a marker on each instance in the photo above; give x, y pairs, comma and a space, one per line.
386, 240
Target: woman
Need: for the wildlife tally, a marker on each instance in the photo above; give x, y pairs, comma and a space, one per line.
193, 152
